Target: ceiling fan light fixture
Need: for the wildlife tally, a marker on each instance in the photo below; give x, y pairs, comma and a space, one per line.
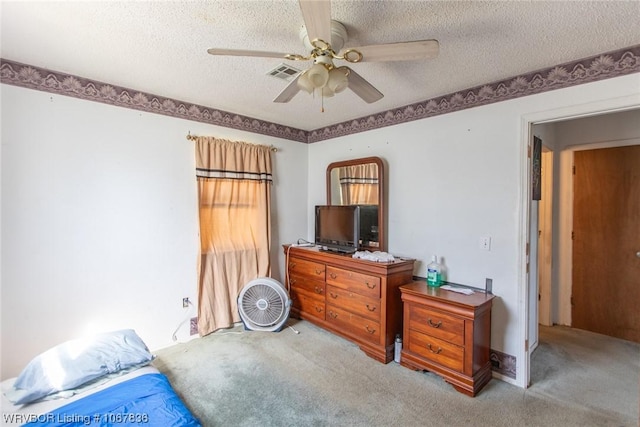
318, 75
338, 80
326, 92
304, 83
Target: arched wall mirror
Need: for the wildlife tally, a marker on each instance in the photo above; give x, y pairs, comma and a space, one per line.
361, 182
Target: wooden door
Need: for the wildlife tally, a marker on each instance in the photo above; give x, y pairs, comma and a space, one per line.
606, 240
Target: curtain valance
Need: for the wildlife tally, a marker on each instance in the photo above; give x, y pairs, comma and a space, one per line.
224, 159
359, 174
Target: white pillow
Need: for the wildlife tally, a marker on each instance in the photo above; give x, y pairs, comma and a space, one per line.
74, 363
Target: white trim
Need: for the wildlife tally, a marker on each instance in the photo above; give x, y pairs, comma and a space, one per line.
504, 378
524, 193
603, 144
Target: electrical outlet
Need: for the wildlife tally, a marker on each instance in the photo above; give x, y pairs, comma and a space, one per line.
185, 302
485, 243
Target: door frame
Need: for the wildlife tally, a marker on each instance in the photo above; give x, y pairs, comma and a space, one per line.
540, 249
545, 247
527, 121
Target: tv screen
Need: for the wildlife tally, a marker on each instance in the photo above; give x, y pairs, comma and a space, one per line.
338, 227
369, 226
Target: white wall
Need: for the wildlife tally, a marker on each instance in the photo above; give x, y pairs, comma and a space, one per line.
99, 220
457, 177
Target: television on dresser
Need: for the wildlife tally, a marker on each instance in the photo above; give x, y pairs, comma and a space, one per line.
338, 228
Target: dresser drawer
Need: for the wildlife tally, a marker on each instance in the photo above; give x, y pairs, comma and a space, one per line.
306, 268
353, 302
364, 328
307, 284
436, 350
436, 323
363, 284
308, 304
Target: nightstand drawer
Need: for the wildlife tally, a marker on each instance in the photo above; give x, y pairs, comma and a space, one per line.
353, 302
353, 281
436, 350
437, 324
307, 268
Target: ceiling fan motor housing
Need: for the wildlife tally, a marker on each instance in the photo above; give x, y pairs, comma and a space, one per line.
338, 37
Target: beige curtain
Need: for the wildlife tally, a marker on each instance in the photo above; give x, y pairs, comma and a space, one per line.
234, 194
359, 184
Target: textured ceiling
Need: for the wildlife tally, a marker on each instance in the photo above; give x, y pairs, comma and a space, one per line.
161, 47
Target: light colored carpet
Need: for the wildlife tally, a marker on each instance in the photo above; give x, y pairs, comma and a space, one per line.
315, 378
588, 369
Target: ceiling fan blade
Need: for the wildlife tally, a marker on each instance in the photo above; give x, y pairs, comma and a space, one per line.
404, 51
289, 92
317, 19
241, 52
363, 88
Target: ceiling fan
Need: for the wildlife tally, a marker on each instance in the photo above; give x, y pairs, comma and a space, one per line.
324, 37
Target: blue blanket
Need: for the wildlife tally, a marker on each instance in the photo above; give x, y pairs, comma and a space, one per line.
147, 400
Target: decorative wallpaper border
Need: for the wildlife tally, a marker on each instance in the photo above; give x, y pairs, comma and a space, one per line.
23, 75
503, 363
599, 67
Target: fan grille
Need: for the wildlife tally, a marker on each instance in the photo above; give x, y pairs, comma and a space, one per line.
263, 305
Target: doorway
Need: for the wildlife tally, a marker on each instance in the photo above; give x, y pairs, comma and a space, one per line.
554, 303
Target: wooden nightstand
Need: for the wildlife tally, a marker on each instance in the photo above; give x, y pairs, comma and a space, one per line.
448, 333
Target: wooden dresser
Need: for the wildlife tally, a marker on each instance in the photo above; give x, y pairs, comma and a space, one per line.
356, 299
448, 333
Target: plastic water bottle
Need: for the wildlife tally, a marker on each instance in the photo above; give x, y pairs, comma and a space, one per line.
397, 349
434, 272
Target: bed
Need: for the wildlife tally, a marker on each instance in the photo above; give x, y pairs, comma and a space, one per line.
95, 387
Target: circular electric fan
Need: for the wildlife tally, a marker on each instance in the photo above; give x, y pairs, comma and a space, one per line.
264, 305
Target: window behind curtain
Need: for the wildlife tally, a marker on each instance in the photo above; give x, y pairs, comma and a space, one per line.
234, 193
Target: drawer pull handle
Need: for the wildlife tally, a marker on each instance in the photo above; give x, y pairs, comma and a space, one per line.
334, 296
292, 264
438, 351
293, 281
333, 275
318, 272
371, 308
319, 309
332, 314
370, 286
435, 325
318, 290
371, 331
